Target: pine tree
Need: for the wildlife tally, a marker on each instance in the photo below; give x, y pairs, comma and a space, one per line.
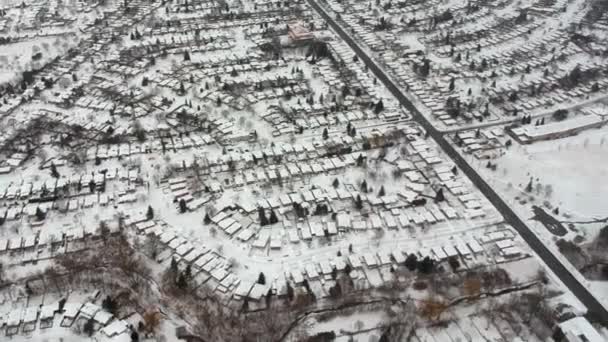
182, 283
207, 219
358, 202
273, 217
262, 216
439, 196
188, 272
336, 183
40, 215
186, 56
173, 267
183, 207
54, 171
150, 213
262, 279
89, 327
364, 186
325, 134
529, 186
290, 292
381, 192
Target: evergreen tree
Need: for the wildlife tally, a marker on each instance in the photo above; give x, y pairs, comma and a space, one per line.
273, 217
325, 134
186, 56
89, 327
358, 202
207, 219
54, 171
40, 215
150, 213
439, 197
336, 183
290, 292
173, 267
529, 186
381, 192
262, 216
425, 266
183, 207
411, 261
182, 283
188, 272
262, 279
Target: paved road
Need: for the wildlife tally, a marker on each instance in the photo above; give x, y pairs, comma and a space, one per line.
596, 310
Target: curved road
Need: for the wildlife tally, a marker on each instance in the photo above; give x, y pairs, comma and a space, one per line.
596, 310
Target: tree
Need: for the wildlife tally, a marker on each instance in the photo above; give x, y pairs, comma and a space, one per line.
273, 217
62, 302
173, 266
183, 207
381, 192
411, 262
188, 272
336, 183
364, 186
325, 134
560, 114
150, 213
360, 160
40, 215
529, 186
54, 172
425, 68
262, 279
262, 216
454, 263
207, 219
92, 186
451, 86
109, 305
134, 336
182, 283
186, 56
151, 321
472, 286
439, 197
425, 266
89, 327
384, 337
432, 309
379, 107
358, 202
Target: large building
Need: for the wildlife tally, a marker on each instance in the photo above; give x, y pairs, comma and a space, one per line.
298, 32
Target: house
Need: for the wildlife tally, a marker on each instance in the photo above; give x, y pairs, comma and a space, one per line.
577, 329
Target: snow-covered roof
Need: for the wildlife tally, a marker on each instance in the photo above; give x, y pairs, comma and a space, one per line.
582, 329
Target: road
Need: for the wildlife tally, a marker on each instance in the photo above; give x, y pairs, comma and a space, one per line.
595, 308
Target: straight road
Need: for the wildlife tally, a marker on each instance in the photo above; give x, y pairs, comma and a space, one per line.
595, 308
